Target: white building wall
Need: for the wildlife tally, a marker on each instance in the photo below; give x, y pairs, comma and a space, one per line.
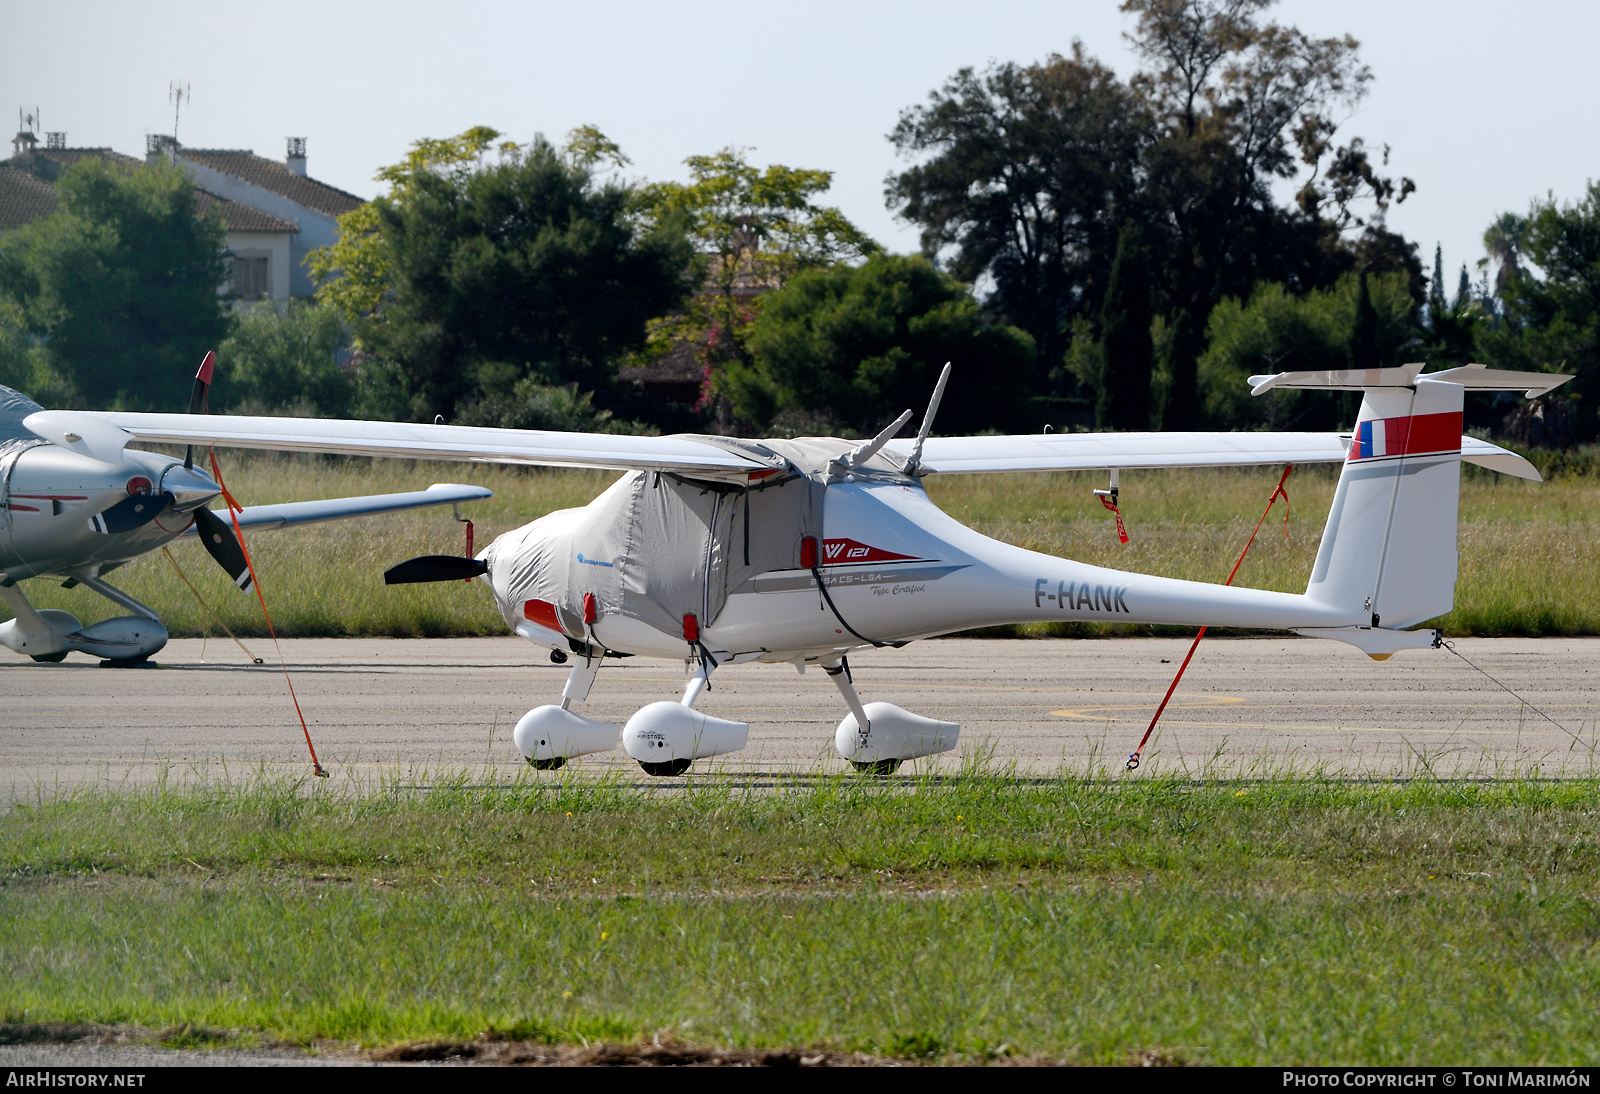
316, 229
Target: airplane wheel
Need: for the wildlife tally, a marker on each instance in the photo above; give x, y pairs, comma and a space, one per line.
127, 662
666, 767
549, 765
50, 658
876, 767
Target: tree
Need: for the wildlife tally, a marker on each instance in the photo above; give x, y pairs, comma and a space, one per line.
1238, 104
1552, 322
121, 284
526, 267
286, 364
1027, 173
1364, 330
752, 230
1124, 401
354, 274
857, 345
1436, 282
1184, 347
1278, 331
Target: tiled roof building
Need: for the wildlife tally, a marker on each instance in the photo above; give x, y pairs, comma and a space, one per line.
273, 213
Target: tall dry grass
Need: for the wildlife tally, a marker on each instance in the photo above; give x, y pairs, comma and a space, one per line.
1530, 552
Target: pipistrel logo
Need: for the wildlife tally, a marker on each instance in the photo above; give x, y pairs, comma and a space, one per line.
593, 561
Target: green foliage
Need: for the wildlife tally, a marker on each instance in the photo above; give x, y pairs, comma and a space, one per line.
857, 345
1276, 331
1028, 172
1124, 401
1552, 322
355, 273
532, 405
1184, 347
286, 364
529, 261
766, 219
1025, 169
1364, 329
26, 364
752, 230
121, 286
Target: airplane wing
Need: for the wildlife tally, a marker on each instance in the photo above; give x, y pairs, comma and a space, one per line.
266, 517
407, 440
1091, 451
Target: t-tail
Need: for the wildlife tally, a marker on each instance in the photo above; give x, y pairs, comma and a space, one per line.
1389, 549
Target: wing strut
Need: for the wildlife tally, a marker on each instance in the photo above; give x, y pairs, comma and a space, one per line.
915, 458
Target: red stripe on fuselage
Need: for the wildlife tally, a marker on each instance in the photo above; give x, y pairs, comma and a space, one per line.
543, 613
1415, 434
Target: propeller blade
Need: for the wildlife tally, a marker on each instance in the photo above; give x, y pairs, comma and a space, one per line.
434, 568
220, 542
198, 401
200, 398
134, 511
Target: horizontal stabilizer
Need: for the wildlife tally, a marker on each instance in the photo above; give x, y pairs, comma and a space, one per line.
1097, 451
1471, 377
435, 568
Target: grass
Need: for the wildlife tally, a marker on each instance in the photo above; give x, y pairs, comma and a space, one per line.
1530, 553
1285, 919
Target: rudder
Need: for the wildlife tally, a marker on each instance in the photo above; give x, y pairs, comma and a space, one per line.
1389, 549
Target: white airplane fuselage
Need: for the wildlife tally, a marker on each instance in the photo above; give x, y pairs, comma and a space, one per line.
898, 568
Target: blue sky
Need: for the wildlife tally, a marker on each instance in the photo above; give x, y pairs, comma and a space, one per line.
1486, 105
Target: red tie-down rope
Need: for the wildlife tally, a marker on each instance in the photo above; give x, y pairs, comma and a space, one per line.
1277, 492
234, 509
1110, 503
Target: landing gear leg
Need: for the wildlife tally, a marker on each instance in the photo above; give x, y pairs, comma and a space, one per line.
579, 681
840, 674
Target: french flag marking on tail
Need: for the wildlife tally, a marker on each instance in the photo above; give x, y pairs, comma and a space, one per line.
1413, 435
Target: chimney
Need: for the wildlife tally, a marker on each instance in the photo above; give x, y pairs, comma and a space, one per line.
56, 140
295, 158
22, 145
157, 147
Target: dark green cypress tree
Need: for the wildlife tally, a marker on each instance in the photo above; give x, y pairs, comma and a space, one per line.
1125, 335
1364, 334
1436, 286
1182, 411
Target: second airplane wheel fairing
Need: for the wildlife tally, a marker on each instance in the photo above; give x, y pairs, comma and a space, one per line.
876, 767
666, 767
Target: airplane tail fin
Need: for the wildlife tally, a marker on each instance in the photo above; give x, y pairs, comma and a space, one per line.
1388, 553
1389, 549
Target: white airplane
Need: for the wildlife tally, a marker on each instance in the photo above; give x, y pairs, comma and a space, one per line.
718, 551
76, 504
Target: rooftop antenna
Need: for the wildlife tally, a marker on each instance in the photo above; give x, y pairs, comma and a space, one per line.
28, 122
177, 95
